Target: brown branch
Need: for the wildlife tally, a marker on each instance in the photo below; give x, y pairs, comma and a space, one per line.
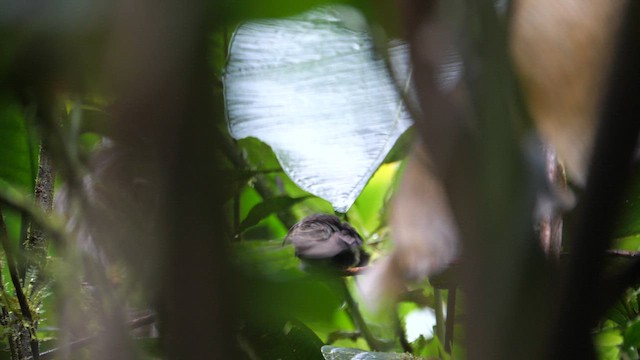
36, 242
609, 174
354, 271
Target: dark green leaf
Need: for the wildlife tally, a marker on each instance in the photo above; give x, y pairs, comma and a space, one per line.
268, 207
18, 159
402, 146
18, 153
258, 154
629, 224
280, 339
632, 335
273, 274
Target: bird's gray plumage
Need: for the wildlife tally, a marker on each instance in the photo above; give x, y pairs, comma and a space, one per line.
325, 237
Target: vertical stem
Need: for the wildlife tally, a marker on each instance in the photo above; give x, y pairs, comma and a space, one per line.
451, 318
4, 316
236, 216
439, 309
356, 317
402, 333
22, 300
36, 243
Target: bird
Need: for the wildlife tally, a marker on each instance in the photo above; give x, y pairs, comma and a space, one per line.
324, 240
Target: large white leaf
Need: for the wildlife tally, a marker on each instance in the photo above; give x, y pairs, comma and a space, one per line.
313, 88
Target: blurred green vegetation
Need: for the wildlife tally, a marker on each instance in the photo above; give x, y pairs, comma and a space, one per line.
53, 89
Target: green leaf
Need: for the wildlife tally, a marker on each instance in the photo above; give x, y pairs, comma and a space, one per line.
268, 259
431, 348
629, 224
268, 207
258, 154
366, 212
632, 335
609, 338
18, 159
280, 339
275, 8
273, 274
18, 153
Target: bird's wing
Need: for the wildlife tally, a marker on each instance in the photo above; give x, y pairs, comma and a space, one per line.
317, 241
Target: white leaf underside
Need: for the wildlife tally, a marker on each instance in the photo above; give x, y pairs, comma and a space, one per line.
316, 92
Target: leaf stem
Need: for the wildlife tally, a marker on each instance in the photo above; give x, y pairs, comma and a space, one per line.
451, 318
439, 309
358, 320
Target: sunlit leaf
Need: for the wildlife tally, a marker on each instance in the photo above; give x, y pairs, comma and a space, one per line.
430, 348
366, 211
609, 338
267, 259
273, 274
314, 89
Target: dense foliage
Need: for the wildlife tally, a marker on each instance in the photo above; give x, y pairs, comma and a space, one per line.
166, 236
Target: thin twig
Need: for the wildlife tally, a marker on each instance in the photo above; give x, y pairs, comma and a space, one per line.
15, 280
451, 319
4, 318
355, 271
402, 335
358, 320
439, 309
340, 334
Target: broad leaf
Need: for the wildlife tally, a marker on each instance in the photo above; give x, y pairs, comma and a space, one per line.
18, 153
18, 159
280, 339
273, 274
337, 353
314, 89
